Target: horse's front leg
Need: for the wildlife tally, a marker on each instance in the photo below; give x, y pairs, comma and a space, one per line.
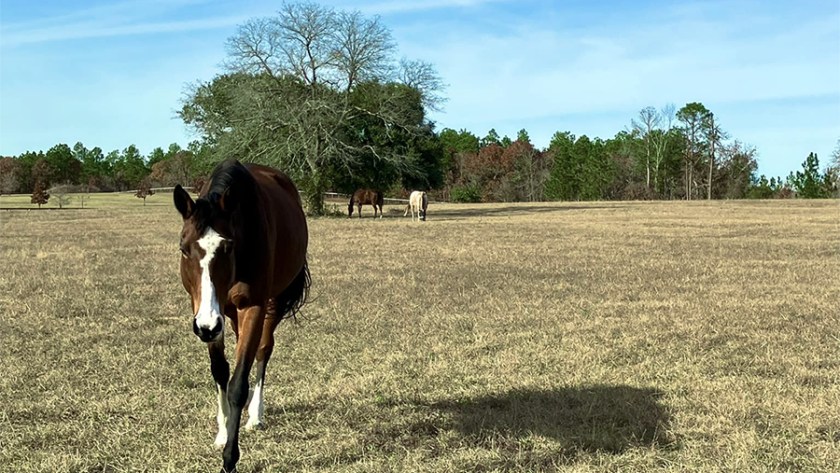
250, 320
221, 372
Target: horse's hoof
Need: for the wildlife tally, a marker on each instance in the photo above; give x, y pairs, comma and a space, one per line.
254, 425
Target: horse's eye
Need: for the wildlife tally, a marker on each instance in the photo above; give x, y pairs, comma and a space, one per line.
185, 251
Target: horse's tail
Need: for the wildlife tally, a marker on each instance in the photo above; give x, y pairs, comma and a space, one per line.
290, 301
352, 201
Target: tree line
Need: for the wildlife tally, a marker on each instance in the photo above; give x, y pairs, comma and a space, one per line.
321, 94
92, 170
646, 161
668, 154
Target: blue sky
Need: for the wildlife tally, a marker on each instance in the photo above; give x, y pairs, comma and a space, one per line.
112, 73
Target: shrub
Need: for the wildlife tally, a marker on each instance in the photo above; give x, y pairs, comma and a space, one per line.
466, 193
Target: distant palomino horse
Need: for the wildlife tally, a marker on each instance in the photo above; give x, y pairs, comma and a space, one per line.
417, 203
243, 255
365, 197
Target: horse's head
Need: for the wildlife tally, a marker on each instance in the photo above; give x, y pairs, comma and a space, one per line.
422, 215
207, 258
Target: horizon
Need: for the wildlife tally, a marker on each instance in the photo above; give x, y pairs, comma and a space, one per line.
112, 75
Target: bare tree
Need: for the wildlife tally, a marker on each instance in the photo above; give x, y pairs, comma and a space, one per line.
423, 76
661, 140
736, 163
649, 119
532, 168
10, 175
62, 193
714, 137
832, 171
304, 78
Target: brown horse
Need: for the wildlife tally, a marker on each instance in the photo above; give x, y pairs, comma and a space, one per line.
243, 248
366, 197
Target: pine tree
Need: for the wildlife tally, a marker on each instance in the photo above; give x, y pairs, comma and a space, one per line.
809, 183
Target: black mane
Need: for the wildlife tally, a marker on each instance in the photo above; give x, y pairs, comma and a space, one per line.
230, 177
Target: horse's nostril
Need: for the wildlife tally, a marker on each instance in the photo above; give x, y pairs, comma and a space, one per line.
207, 334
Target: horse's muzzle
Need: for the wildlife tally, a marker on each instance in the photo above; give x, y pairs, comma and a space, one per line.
208, 335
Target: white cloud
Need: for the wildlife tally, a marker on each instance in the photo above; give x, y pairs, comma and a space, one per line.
538, 71
382, 8
90, 29
118, 19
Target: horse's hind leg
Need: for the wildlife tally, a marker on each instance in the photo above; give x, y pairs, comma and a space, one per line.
256, 407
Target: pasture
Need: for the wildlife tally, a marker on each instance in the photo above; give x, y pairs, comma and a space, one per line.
579, 337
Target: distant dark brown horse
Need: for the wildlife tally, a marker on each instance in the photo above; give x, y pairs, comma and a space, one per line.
243, 254
366, 197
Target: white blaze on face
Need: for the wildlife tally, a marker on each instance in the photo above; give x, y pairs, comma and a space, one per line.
209, 315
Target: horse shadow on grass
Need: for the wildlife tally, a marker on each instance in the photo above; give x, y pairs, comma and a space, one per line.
591, 419
601, 418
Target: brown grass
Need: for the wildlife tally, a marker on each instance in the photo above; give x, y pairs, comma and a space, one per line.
572, 337
95, 200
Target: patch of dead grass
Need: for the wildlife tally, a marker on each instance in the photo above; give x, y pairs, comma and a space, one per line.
513, 337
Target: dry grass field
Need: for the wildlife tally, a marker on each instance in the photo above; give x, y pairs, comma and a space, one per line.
94, 200
615, 337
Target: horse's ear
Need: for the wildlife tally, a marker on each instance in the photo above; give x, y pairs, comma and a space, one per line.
183, 201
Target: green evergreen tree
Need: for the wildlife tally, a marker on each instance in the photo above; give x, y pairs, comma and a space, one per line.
810, 182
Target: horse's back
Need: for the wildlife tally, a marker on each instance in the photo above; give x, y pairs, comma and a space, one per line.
285, 220
368, 197
269, 177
